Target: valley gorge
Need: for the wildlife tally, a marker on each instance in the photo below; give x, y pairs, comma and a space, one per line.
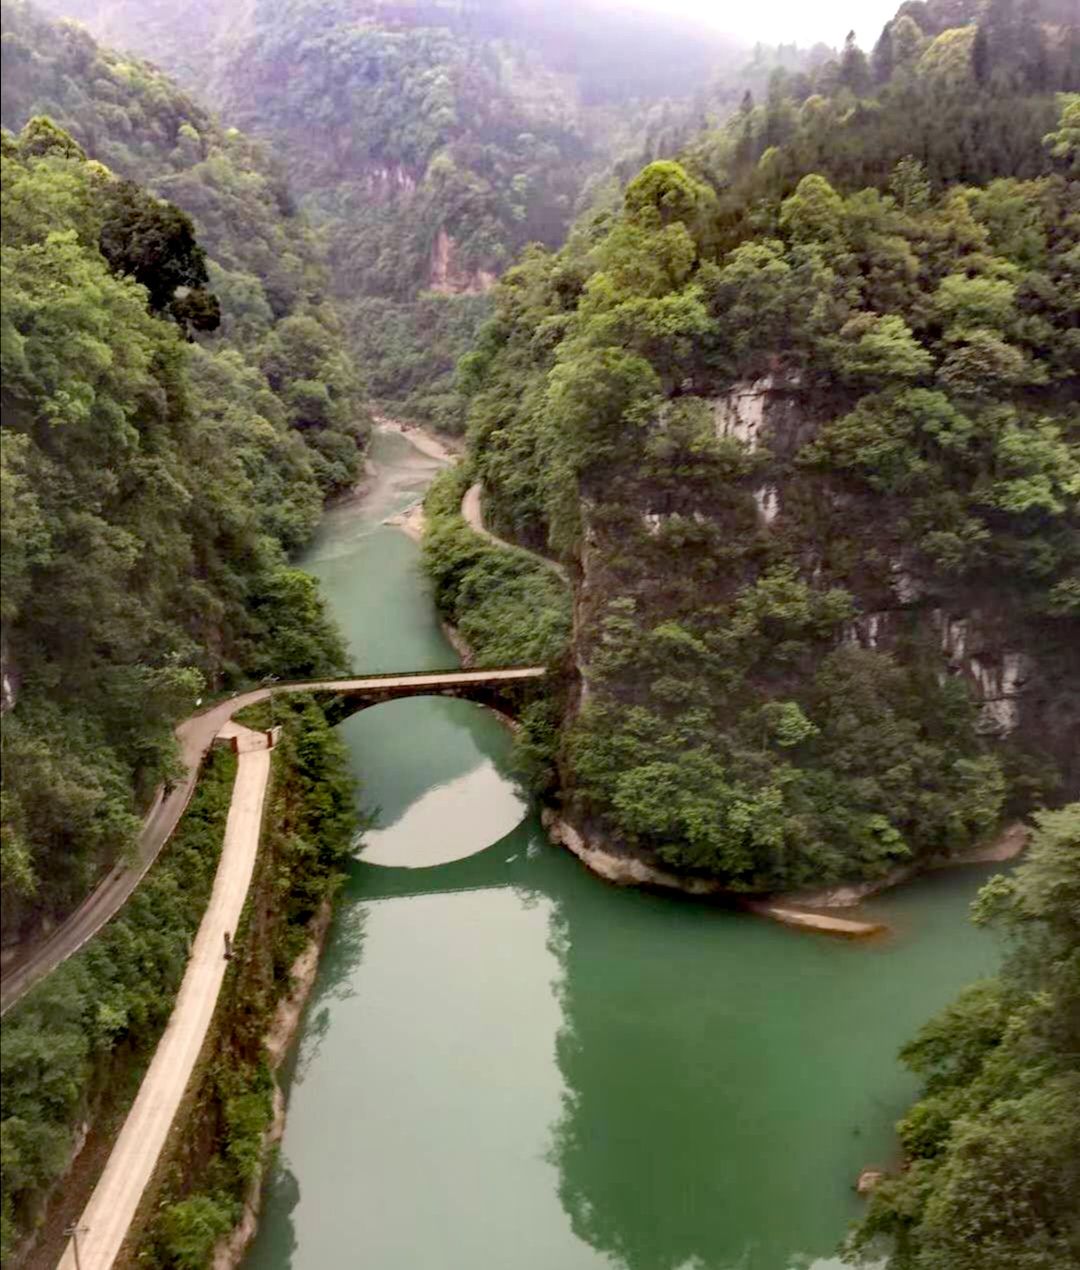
734, 388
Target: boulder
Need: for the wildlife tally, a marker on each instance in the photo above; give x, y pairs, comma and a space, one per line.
868, 1180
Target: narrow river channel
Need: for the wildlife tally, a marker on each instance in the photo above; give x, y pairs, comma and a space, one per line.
508, 1065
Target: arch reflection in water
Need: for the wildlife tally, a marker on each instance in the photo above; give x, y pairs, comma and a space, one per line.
507, 1065
395, 748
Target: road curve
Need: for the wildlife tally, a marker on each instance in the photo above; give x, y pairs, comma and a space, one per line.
105, 1220
195, 736
474, 517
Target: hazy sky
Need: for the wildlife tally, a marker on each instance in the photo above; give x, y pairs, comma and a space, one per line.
781, 21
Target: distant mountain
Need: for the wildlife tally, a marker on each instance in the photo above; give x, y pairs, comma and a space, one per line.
431, 141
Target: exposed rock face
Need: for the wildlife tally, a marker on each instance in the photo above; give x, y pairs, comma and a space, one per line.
979, 639
971, 647
448, 277
839, 533
9, 678
766, 411
628, 870
385, 181
999, 675
768, 503
868, 1180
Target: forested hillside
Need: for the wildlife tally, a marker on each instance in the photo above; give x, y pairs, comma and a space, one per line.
263, 261
152, 487
802, 415
994, 1144
431, 142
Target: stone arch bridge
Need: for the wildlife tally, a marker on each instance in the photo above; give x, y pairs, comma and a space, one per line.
503, 688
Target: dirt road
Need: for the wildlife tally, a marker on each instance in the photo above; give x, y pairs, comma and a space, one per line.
474, 518
105, 1221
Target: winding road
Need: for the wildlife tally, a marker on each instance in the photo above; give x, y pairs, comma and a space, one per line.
473, 516
104, 1224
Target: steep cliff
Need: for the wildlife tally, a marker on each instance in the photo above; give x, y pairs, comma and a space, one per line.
810, 449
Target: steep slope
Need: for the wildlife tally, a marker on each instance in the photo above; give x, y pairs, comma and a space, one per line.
431, 141
263, 261
144, 549
993, 1145
811, 448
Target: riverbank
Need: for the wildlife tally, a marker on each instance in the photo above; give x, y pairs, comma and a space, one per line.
278, 1040
429, 443
626, 870
1003, 847
794, 908
496, 1042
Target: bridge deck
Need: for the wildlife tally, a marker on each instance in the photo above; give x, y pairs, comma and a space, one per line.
417, 679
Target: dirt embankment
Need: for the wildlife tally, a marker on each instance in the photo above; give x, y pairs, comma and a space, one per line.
428, 443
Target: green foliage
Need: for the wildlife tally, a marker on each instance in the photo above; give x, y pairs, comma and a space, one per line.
511, 608
71, 1036
993, 1145
409, 351
784, 426
308, 836
154, 243
191, 1228
151, 487
228, 236
1064, 144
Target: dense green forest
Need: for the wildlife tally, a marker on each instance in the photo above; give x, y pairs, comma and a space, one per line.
810, 445
994, 1145
263, 261
152, 487
431, 142
74, 1047
781, 371
800, 413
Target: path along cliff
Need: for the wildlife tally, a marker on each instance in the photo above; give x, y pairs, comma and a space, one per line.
104, 1224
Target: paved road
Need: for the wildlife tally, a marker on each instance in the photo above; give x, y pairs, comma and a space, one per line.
474, 518
106, 1218
195, 735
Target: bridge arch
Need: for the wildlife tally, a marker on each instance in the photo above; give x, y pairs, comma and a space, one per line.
505, 689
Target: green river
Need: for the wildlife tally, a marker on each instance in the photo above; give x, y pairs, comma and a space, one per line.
507, 1064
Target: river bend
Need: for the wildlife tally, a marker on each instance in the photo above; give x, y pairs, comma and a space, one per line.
508, 1065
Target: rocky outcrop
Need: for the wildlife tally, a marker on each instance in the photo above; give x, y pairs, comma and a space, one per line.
767, 498
629, 870
448, 276
384, 181
1005, 846
9, 678
837, 533
869, 1180
766, 412
971, 646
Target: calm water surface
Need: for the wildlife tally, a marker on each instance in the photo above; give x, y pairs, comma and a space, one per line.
507, 1065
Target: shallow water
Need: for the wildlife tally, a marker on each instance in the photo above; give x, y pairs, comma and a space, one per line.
508, 1064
